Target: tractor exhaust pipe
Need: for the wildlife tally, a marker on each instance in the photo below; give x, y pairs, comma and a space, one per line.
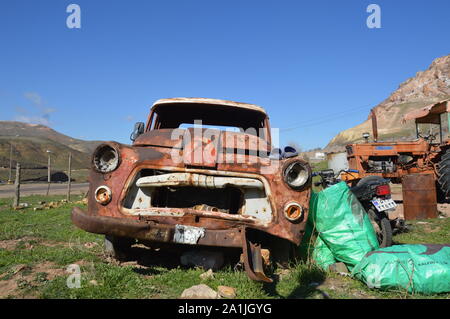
374, 125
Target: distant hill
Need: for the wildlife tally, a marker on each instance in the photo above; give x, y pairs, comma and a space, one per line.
30, 143
425, 88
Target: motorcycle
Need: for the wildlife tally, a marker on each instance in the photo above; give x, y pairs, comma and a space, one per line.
374, 193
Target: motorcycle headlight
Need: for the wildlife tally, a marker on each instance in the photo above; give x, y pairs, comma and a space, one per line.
296, 175
106, 158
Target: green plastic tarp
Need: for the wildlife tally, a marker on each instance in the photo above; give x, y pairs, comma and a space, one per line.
338, 228
423, 268
312, 247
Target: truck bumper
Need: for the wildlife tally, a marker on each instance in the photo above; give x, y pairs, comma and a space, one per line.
143, 230
126, 227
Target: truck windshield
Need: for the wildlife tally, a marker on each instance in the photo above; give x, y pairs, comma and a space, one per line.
185, 115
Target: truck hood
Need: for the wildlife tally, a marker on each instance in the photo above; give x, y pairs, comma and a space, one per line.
224, 141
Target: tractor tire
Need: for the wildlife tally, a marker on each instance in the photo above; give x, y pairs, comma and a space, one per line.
118, 248
444, 174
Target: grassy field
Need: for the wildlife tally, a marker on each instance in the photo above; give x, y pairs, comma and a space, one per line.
36, 247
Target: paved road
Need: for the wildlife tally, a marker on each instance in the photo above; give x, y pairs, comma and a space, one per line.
41, 189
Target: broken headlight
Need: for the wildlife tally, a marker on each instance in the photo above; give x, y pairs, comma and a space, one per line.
296, 174
106, 158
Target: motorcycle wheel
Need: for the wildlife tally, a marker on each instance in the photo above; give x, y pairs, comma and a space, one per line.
382, 227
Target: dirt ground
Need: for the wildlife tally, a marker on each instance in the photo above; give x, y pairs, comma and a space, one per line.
22, 275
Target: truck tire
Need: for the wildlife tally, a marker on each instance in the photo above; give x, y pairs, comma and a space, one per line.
118, 247
282, 252
444, 174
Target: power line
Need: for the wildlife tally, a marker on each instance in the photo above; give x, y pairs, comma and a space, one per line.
324, 119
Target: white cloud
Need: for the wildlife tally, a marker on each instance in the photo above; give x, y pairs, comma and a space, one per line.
34, 98
38, 114
33, 120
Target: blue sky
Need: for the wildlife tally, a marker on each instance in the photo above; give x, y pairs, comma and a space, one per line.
313, 65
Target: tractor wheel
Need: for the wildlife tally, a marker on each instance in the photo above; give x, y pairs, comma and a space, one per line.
118, 247
444, 174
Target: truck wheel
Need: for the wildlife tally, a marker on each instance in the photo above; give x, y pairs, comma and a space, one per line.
118, 247
444, 174
282, 252
382, 227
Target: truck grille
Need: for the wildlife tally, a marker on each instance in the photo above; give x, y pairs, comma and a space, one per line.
154, 192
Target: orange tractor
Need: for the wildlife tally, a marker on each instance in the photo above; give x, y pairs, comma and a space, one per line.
422, 166
428, 154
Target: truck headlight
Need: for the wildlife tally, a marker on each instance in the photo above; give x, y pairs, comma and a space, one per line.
296, 174
106, 158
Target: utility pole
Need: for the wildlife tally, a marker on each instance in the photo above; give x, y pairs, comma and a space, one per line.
17, 187
48, 171
69, 175
10, 160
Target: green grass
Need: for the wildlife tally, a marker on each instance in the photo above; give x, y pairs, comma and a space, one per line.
429, 231
35, 239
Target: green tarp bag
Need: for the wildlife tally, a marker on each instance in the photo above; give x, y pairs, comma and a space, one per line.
341, 224
312, 247
423, 268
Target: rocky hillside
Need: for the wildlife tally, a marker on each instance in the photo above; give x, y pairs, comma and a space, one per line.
425, 88
30, 143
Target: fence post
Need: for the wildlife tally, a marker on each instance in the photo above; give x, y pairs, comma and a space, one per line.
70, 174
17, 187
49, 169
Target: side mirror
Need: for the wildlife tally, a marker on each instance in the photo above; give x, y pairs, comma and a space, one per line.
138, 130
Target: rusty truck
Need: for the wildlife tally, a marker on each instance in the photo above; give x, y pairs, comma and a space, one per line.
199, 172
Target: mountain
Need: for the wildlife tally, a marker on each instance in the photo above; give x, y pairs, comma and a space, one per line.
425, 88
30, 143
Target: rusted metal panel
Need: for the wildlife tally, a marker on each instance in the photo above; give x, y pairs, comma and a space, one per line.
162, 138
148, 230
428, 111
198, 180
390, 148
419, 196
